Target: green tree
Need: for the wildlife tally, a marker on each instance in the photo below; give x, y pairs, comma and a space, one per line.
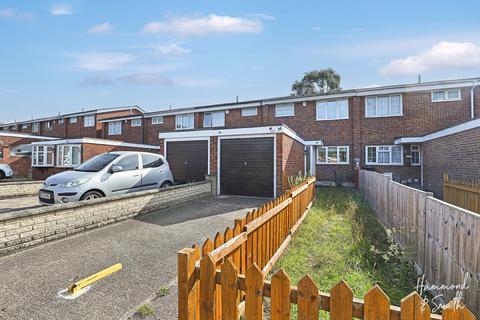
316, 82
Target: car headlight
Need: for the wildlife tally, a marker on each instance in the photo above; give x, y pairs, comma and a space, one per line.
74, 183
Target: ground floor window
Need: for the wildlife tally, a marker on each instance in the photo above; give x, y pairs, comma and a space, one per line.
1, 153
69, 155
42, 156
333, 155
384, 155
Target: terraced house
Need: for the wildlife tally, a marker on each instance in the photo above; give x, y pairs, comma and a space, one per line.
327, 135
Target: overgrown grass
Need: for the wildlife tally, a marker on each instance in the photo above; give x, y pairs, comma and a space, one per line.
342, 239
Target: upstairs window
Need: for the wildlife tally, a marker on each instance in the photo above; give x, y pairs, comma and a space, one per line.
285, 110
25, 126
69, 155
333, 155
42, 156
136, 122
73, 119
383, 106
184, 121
115, 128
214, 119
384, 155
60, 121
332, 110
248, 112
415, 153
35, 127
89, 121
446, 95
157, 120
48, 125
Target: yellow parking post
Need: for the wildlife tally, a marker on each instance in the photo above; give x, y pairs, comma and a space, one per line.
77, 286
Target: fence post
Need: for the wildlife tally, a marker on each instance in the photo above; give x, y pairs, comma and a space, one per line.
207, 288
187, 283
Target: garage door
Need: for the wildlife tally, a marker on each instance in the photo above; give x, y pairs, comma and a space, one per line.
188, 160
246, 167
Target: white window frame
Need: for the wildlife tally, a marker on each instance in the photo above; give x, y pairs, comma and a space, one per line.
338, 157
212, 124
35, 127
48, 125
376, 155
445, 95
337, 107
89, 121
157, 120
115, 128
284, 105
60, 155
136, 122
60, 121
45, 151
411, 154
179, 121
389, 106
249, 112
25, 126
73, 119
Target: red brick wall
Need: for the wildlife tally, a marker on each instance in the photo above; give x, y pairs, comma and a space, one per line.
456, 154
290, 159
88, 151
21, 166
152, 130
213, 155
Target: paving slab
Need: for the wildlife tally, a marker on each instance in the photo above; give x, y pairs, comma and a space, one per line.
15, 204
147, 247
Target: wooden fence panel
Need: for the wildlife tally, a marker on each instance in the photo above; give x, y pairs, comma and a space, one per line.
253, 292
444, 238
230, 291
280, 296
341, 301
414, 308
307, 299
377, 305
464, 194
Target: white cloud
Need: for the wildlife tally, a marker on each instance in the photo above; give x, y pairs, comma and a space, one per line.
61, 10
191, 26
171, 49
443, 55
141, 78
262, 16
96, 80
316, 28
14, 14
101, 61
101, 28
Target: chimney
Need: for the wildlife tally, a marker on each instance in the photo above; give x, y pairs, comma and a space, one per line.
419, 78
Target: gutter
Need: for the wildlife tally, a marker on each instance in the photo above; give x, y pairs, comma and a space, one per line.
472, 99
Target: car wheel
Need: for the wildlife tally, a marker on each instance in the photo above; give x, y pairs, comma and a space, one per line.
166, 184
2, 175
90, 195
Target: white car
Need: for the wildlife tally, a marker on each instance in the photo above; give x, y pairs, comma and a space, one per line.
106, 175
5, 171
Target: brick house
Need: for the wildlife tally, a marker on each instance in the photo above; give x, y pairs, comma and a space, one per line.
13, 152
72, 125
54, 156
341, 130
454, 150
356, 126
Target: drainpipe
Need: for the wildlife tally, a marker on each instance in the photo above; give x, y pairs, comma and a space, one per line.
472, 99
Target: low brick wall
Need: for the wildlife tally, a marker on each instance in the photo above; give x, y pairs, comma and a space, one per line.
14, 189
22, 229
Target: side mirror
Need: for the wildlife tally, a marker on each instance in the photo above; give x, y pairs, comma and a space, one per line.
116, 169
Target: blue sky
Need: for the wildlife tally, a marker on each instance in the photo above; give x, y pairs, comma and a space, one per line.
65, 56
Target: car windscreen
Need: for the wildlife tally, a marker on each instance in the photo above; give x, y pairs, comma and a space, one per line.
97, 163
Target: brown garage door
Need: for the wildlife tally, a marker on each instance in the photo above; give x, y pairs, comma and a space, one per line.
246, 167
188, 160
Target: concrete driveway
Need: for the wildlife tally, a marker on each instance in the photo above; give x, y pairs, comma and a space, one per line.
147, 247
15, 204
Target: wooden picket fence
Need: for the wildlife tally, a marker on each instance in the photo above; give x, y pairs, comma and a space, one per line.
258, 239
463, 194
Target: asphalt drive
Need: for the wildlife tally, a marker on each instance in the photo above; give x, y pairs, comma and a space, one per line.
147, 247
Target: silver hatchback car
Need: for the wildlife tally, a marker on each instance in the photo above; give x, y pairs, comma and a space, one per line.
106, 175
